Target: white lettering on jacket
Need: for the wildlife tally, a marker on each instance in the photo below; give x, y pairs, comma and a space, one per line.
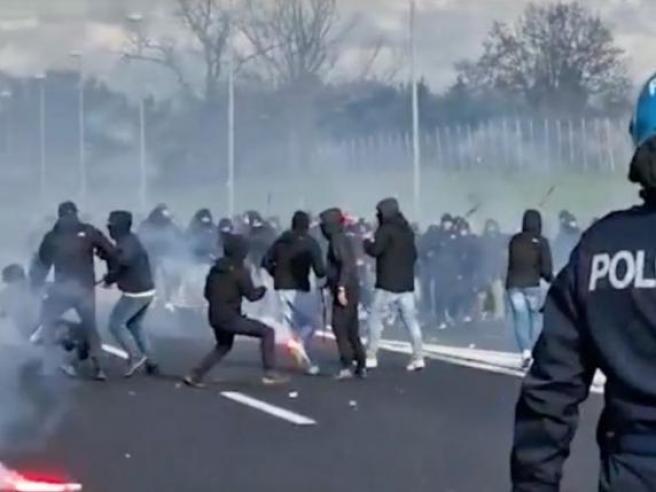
622, 270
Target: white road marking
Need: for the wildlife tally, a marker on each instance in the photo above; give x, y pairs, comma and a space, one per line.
505, 363
281, 413
115, 351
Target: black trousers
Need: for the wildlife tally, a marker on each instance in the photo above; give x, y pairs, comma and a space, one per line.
346, 327
83, 301
627, 472
225, 339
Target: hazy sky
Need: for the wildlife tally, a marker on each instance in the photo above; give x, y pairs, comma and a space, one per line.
38, 34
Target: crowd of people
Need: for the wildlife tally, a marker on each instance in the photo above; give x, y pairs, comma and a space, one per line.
379, 274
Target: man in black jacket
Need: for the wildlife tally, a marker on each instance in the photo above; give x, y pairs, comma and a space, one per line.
70, 248
343, 282
529, 262
289, 261
228, 283
600, 314
130, 270
395, 252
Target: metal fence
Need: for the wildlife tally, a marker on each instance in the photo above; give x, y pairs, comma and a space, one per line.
585, 145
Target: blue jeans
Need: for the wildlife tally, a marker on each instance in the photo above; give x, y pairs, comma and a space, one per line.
525, 306
127, 318
405, 305
301, 312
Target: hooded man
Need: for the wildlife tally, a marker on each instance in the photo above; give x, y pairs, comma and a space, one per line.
599, 314
164, 243
568, 237
494, 250
445, 272
395, 252
228, 283
343, 282
69, 248
203, 238
529, 262
130, 271
290, 261
428, 249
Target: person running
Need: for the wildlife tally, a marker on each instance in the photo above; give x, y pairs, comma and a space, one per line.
228, 283
290, 260
395, 252
131, 272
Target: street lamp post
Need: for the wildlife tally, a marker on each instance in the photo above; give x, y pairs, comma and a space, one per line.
416, 143
41, 80
6, 96
82, 170
137, 19
231, 118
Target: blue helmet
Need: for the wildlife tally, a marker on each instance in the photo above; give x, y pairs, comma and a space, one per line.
643, 124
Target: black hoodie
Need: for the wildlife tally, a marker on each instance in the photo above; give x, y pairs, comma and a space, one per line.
394, 249
529, 255
229, 282
159, 234
341, 269
130, 267
69, 248
203, 237
293, 255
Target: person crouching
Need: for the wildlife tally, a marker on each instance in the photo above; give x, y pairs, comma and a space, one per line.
227, 284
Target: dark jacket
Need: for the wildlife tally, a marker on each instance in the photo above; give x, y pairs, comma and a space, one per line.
394, 249
599, 314
341, 270
130, 267
292, 256
69, 248
494, 253
160, 236
229, 282
529, 255
260, 239
203, 238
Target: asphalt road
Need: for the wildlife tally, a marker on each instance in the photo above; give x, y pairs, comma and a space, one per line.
447, 429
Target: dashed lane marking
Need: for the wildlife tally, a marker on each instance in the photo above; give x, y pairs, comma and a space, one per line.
262, 406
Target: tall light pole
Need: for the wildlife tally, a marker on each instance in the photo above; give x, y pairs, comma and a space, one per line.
6, 96
41, 81
82, 163
137, 19
416, 143
231, 118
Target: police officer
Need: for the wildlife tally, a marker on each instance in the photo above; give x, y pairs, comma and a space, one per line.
600, 314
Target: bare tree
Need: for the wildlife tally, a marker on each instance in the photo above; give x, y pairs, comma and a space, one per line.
296, 40
210, 23
558, 55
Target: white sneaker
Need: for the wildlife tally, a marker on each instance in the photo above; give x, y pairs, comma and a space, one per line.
313, 370
372, 362
443, 326
416, 365
169, 307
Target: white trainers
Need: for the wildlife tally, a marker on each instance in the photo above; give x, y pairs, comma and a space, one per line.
416, 365
313, 370
372, 362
